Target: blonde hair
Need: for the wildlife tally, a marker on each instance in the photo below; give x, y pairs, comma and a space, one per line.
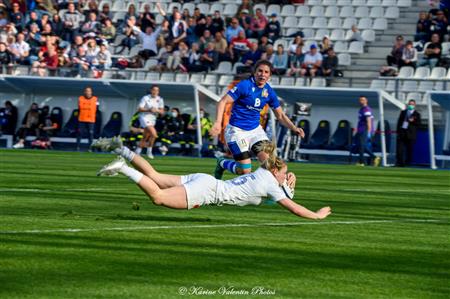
272, 162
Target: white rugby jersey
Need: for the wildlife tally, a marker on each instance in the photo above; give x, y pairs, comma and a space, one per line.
149, 102
248, 189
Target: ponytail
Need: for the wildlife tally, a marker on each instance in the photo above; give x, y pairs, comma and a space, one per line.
272, 161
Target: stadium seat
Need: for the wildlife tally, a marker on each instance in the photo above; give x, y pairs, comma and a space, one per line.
439, 85
376, 143
332, 11
344, 2
344, 59
140, 76
305, 22
230, 10
376, 12
214, 7
448, 74
273, 8
380, 24
317, 11
337, 34
290, 31
320, 23
368, 35
404, 3
204, 8
282, 42
159, 19
290, 22
236, 65
135, 50
113, 126
320, 137
438, 73
362, 12
302, 81
152, 76
373, 3
56, 116
340, 47
314, 2
359, 2
406, 72
422, 72
304, 124
335, 23
118, 6
356, 47
302, 11
346, 12
210, 79
71, 126
390, 85
167, 77
225, 80
150, 63
196, 78
387, 3
425, 86
318, 82
213, 89
182, 78
349, 22
261, 6
445, 49
288, 10
416, 96
329, 2
225, 67
378, 84
287, 81
320, 33
97, 125
342, 137
308, 33
21, 70
392, 12
365, 23
408, 86
274, 80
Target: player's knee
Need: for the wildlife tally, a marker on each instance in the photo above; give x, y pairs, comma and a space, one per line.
243, 171
243, 168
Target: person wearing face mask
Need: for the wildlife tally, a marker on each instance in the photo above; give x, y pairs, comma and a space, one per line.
30, 125
173, 131
407, 124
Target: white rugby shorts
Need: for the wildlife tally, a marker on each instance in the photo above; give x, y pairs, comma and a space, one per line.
200, 189
239, 140
147, 120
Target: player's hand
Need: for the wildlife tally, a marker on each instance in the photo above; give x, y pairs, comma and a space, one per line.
323, 212
291, 180
300, 132
215, 130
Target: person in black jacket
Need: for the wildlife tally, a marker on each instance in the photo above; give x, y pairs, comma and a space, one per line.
8, 119
407, 124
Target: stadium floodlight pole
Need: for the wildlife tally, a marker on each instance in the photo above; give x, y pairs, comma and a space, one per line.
431, 130
199, 124
382, 128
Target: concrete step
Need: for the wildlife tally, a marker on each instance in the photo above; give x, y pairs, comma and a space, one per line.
361, 74
370, 61
378, 51
361, 68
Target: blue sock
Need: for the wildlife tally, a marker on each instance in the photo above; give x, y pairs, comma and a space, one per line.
229, 165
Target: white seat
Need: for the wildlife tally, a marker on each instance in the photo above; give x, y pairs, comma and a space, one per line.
273, 8
151, 76
448, 74
349, 34
373, 3
329, 2
392, 12
225, 80
340, 47
102, 3
210, 79
302, 11
204, 8
401, 96
425, 85
387, 3
196, 78
214, 7
356, 47
317, 11
288, 10
368, 35
318, 82
445, 49
377, 84
422, 72
406, 72
168, 77
344, 2
236, 65
380, 24
365, 23
305, 22
282, 42
287, 81
118, 6
337, 34
301, 82
334, 23
172, 5
346, 12
308, 33
376, 12
120, 15
344, 59
212, 88
332, 11
230, 10
150, 63
390, 85
290, 22
274, 80
404, 3
320, 33
159, 19
314, 2
409, 86
135, 50
349, 22
290, 31
416, 96
438, 73
225, 67
260, 6
320, 22
358, 2
182, 78
439, 85
362, 12
190, 7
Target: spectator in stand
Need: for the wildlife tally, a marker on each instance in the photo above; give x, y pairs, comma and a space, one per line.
72, 20
325, 45
208, 58
409, 57
8, 119
5, 58
296, 61
92, 25
172, 131
221, 46
177, 27
105, 13
439, 25
30, 126
47, 61
245, 5
20, 50
312, 63
81, 63
131, 13
268, 54
258, 24
273, 28
149, 40
433, 52
396, 53
46, 7
263, 43
218, 25
131, 38
87, 107
423, 28
191, 36
238, 46
355, 35
34, 40
33, 18
108, 31
103, 61
280, 61
251, 57
186, 15
330, 63
205, 39
233, 30
166, 59
245, 21
147, 19
298, 41
407, 124
92, 7
200, 20
17, 17
7, 31
58, 25
194, 65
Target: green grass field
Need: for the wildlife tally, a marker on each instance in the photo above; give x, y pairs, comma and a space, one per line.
65, 233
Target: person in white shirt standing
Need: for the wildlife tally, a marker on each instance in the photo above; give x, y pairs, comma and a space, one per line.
149, 107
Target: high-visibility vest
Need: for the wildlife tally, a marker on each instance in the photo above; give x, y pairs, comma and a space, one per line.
88, 109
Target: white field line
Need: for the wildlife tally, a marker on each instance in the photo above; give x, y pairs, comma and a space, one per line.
56, 189
163, 227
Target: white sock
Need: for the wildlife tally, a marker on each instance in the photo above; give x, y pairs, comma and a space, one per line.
131, 173
138, 151
149, 150
125, 152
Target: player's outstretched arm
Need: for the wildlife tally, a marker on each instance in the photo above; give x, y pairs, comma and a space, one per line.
301, 211
217, 127
285, 121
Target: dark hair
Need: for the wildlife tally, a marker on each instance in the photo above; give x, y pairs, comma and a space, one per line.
263, 62
412, 101
90, 87
409, 43
8, 103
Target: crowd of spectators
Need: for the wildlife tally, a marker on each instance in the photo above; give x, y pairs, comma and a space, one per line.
81, 36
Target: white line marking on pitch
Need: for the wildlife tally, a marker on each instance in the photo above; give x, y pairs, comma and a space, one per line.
136, 228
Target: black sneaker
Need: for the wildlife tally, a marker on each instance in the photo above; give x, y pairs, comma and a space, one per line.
218, 172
